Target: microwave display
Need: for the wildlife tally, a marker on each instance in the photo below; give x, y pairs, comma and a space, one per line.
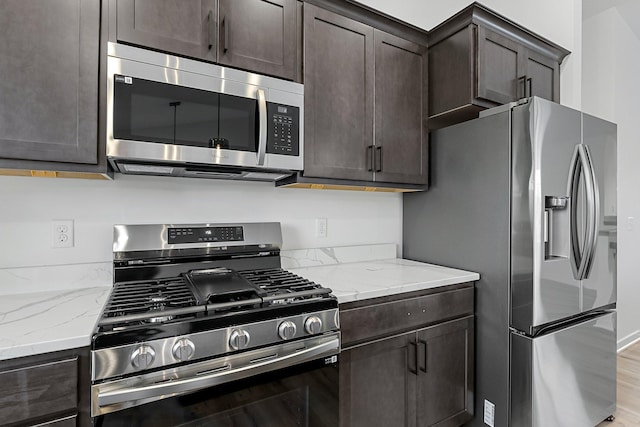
164, 113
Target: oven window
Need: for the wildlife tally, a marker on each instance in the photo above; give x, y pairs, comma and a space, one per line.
302, 396
163, 113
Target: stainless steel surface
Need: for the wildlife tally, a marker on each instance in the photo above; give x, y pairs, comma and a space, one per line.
239, 339
151, 237
494, 181
142, 357
600, 287
155, 66
287, 330
125, 393
313, 325
463, 221
114, 361
566, 378
183, 349
262, 128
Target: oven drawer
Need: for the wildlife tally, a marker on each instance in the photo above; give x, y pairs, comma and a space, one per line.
386, 318
40, 390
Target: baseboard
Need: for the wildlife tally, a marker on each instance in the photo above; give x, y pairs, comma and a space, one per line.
628, 340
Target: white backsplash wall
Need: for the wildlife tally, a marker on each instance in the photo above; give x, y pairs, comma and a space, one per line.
30, 204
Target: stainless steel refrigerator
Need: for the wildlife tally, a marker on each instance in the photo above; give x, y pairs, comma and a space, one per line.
526, 196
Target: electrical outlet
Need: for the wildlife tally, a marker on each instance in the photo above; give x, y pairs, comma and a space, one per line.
321, 227
62, 233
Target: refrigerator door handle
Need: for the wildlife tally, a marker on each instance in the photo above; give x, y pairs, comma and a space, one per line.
593, 213
581, 166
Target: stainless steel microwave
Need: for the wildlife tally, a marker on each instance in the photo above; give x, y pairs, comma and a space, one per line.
168, 115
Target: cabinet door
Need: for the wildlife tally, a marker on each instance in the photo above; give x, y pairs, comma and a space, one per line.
338, 78
258, 35
499, 68
400, 108
48, 90
542, 76
182, 27
377, 387
445, 365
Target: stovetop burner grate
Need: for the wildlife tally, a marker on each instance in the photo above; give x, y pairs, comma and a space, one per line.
281, 282
146, 296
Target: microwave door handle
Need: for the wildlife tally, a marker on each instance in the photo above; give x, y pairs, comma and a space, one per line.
262, 129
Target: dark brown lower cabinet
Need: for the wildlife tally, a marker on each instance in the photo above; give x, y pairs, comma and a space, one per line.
417, 378
49, 389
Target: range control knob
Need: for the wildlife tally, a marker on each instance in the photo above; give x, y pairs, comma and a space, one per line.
239, 339
313, 325
183, 349
287, 330
142, 357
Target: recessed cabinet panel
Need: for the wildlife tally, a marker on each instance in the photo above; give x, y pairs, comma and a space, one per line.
541, 77
445, 361
376, 384
37, 391
182, 27
48, 90
258, 35
338, 96
400, 108
498, 59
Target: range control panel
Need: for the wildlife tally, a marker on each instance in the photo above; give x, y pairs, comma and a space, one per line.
205, 234
283, 129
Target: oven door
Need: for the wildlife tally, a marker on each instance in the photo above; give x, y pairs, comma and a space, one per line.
295, 384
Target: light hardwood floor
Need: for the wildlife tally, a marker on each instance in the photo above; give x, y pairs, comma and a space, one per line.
628, 412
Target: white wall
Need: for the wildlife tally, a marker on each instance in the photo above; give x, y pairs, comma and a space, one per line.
611, 63
30, 204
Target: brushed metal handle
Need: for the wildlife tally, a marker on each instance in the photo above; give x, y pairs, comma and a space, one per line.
225, 31
370, 160
522, 80
413, 350
379, 158
423, 368
262, 128
593, 212
530, 85
211, 31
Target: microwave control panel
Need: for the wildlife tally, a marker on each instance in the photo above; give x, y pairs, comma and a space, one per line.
283, 129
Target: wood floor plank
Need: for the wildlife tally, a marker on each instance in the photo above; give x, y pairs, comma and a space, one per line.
628, 399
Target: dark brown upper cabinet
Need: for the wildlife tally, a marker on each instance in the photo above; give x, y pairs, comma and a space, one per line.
258, 35
49, 59
365, 102
338, 102
479, 59
183, 27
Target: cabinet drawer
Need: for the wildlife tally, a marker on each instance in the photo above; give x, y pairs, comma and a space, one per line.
39, 390
385, 319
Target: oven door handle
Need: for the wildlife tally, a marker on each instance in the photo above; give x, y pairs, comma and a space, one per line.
262, 126
156, 391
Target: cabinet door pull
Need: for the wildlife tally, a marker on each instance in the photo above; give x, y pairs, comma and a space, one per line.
413, 350
370, 159
423, 368
530, 86
379, 158
522, 80
225, 30
211, 29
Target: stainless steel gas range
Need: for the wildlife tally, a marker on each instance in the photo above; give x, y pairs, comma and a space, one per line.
204, 327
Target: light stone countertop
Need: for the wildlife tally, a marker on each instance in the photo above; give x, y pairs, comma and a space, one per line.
370, 279
40, 322
35, 322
